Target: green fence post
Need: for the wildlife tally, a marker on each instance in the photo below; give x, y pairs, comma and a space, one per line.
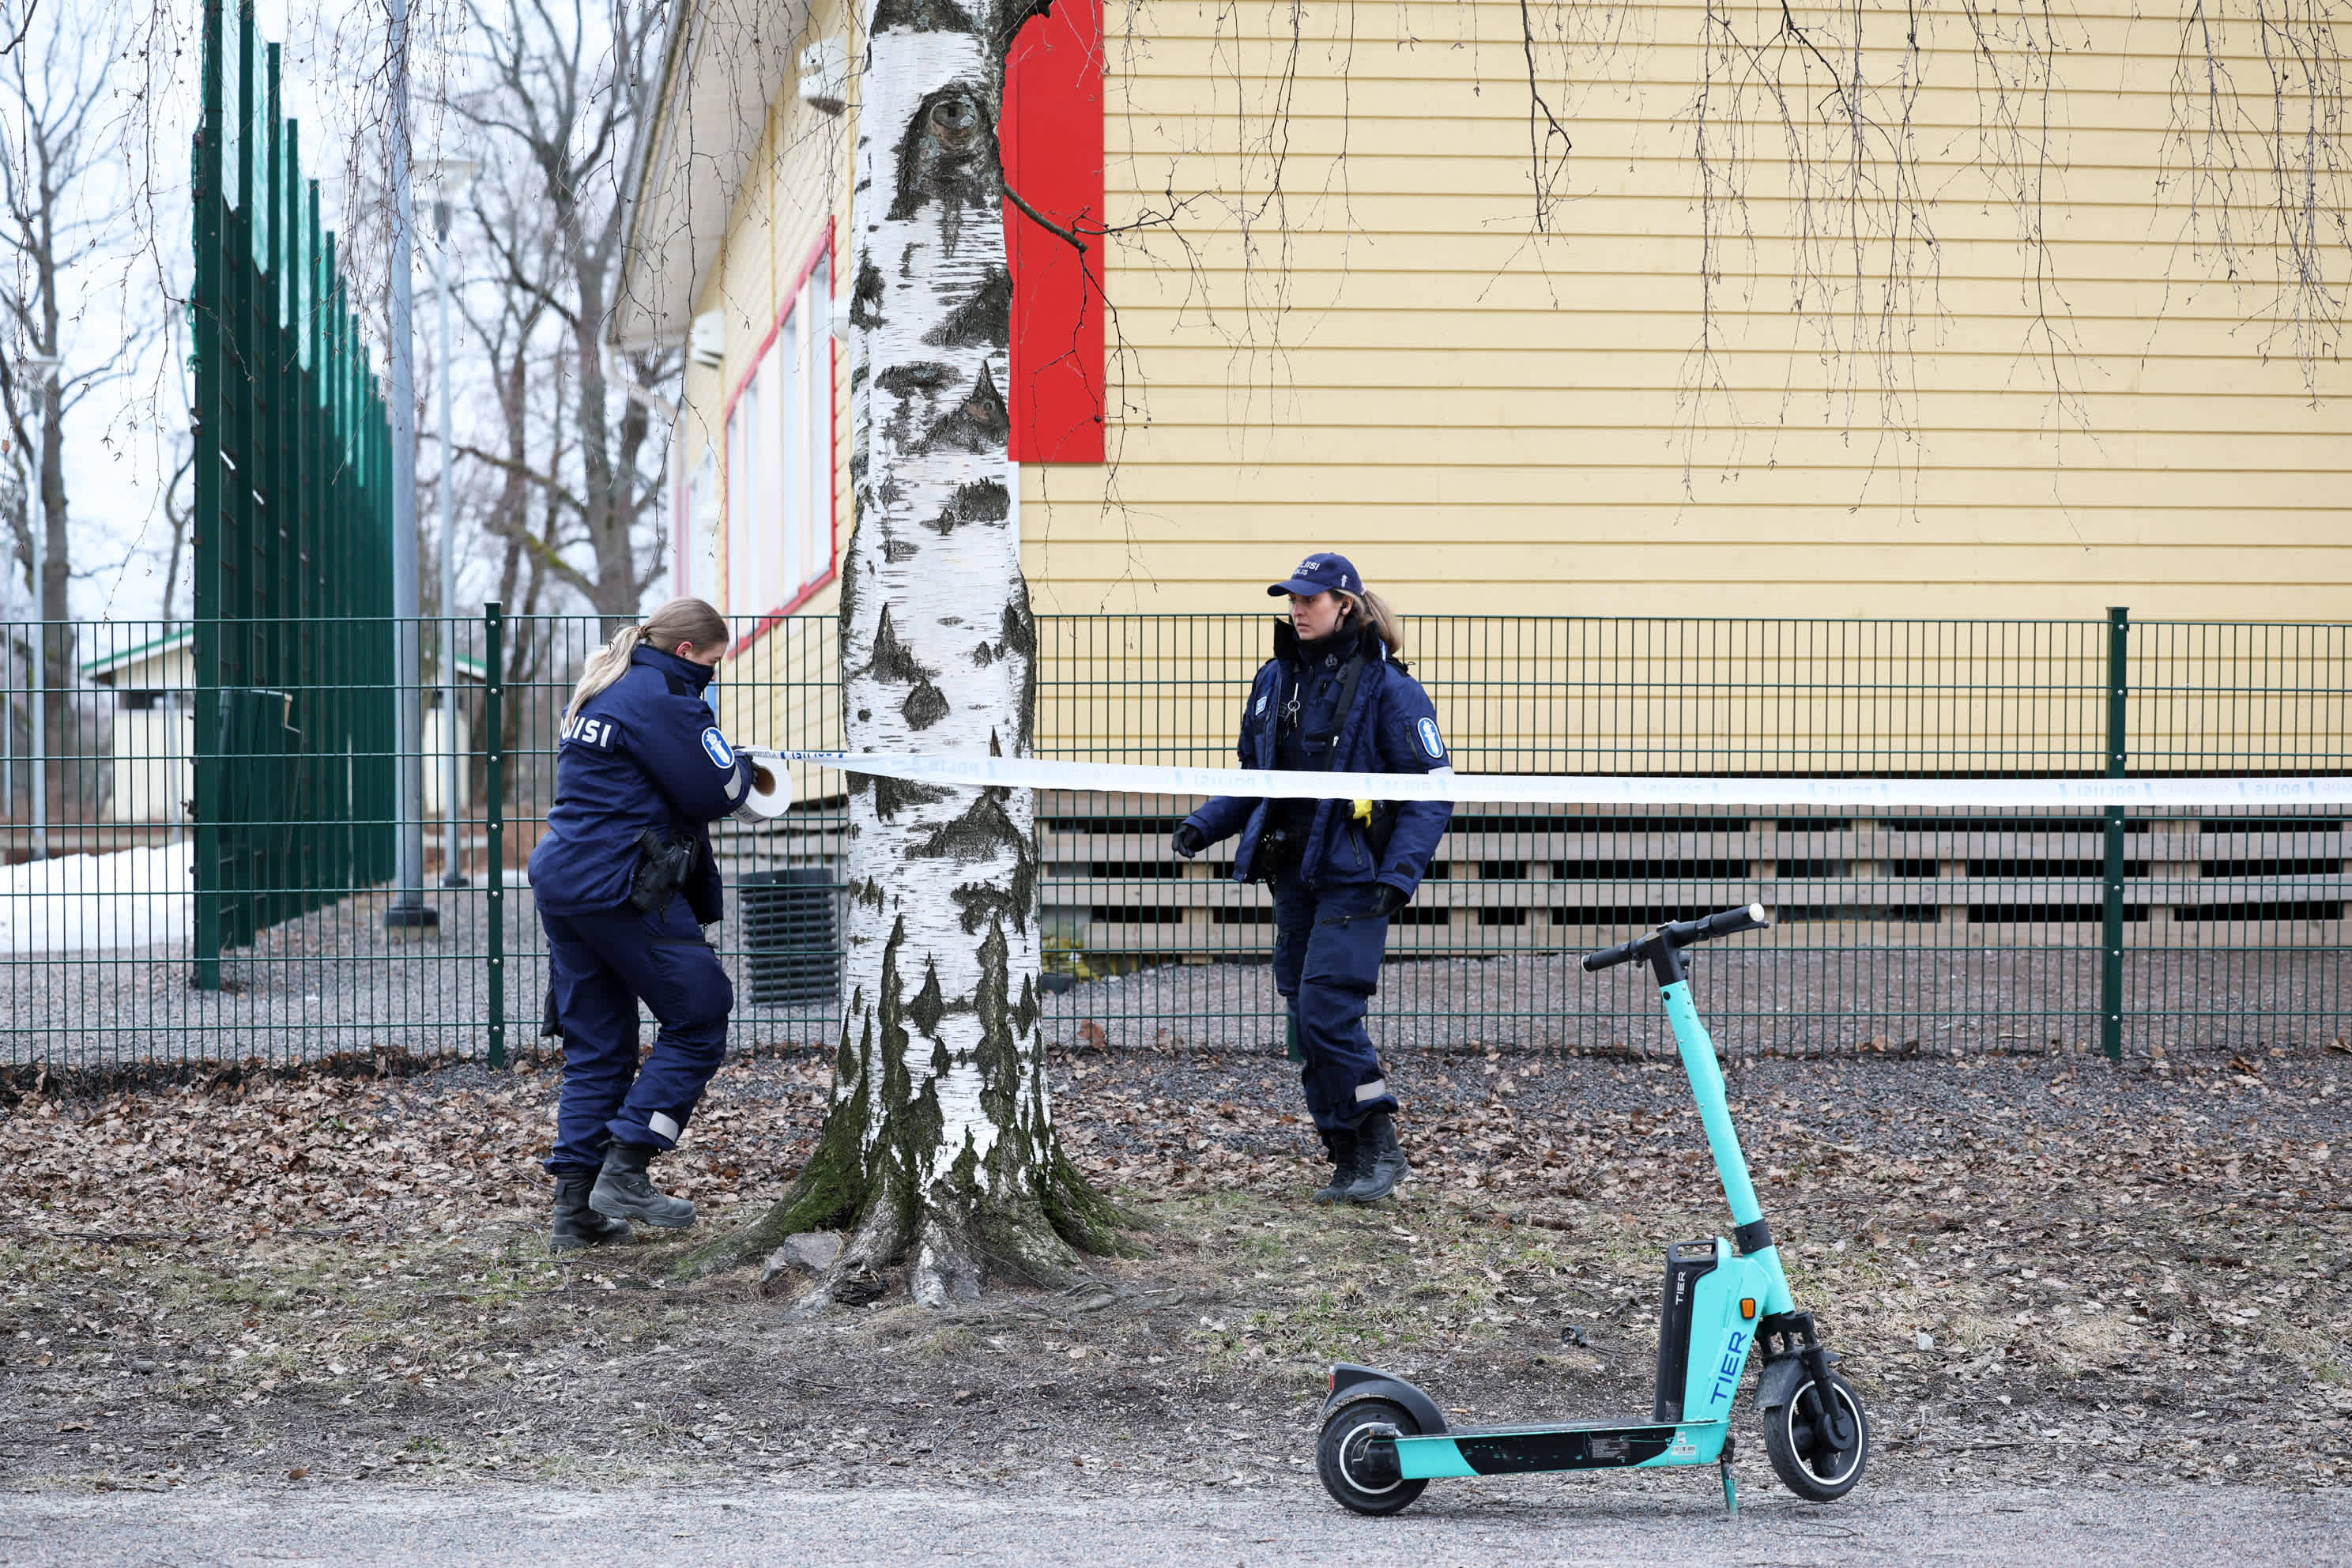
207, 326
2111, 935
494, 809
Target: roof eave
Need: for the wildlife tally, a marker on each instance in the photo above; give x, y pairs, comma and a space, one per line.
721, 67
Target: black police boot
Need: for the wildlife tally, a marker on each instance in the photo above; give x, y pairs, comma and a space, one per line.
623, 1193
1381, 1164
577, 1225
1343, 1145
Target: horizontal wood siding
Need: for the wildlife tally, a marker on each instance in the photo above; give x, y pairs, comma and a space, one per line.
1550, 880
1348, 335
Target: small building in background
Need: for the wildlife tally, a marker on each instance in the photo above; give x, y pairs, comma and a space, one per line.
153, 734
152, 739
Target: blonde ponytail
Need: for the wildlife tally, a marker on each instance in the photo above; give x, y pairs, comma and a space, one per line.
688, 620
605, 666
1375, 609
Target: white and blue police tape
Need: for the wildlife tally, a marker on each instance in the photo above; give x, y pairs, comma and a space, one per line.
1597, 789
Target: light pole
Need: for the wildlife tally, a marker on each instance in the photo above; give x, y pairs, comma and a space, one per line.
448, 178
408, 914
46, 368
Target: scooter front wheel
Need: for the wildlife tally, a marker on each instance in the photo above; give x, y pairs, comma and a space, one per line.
1802, 1445
1357, 1457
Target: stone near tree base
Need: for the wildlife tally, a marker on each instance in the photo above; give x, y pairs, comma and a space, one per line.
800, 1257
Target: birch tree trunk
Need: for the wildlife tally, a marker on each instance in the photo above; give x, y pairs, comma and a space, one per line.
940, 1149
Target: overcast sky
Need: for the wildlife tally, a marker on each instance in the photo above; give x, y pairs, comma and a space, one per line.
123, 440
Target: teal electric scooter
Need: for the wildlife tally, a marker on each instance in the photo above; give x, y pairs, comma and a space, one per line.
1384, 1440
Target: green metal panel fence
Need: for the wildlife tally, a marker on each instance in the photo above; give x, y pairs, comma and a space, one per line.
1914, 932
292, 689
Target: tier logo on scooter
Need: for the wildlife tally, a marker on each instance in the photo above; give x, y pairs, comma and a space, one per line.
1727, 1376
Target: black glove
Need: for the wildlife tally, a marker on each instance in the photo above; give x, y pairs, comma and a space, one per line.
1387, 900
1187, 840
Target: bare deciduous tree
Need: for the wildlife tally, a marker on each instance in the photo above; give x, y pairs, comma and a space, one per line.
60, 145
58, 141
561, 81
523, 517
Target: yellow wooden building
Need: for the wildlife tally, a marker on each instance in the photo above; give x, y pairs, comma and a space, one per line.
1338, 324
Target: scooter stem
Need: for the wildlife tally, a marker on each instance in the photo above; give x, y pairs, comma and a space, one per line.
1698, 1049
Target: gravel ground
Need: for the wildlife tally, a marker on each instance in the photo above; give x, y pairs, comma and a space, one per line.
333, 985
1787, 1000
330, 983
1583, 1521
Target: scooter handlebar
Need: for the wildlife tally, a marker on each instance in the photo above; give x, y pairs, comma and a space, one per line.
1683, 934
1724, 923
1611, 957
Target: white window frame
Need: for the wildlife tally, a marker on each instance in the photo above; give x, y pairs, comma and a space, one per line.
699, 521
779, 480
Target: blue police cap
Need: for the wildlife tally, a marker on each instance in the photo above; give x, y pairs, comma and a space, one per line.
1319, 573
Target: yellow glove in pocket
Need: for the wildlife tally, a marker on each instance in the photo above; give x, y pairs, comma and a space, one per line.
1363, 811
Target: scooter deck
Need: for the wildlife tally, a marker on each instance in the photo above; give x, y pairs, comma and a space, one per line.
1535, 1446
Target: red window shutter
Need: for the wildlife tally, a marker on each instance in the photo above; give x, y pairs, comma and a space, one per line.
1052, 144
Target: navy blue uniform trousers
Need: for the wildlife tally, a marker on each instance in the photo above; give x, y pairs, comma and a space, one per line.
1326, 966
601, 966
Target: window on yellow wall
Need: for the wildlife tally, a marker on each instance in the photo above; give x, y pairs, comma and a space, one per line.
780, 462
699, 532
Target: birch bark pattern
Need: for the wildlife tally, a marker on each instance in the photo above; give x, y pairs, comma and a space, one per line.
939, 1147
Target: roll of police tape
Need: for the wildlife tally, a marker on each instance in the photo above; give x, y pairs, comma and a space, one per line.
1596, 789
772, 787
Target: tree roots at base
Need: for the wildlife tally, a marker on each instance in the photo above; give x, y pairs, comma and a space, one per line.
950, 1245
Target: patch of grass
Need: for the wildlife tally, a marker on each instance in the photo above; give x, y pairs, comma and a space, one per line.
1356, 1284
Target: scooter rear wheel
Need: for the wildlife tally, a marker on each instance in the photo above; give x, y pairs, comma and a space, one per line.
1809, 1462
1354, 1469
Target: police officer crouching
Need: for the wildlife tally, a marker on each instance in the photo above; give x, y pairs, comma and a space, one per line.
1334, 698
625, 882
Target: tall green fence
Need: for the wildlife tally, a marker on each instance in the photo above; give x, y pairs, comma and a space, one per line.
1929, 932
291, 688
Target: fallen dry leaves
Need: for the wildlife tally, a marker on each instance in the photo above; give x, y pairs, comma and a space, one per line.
275, 1153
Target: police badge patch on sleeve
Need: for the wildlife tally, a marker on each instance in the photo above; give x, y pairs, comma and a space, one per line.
1430, 743
721, 754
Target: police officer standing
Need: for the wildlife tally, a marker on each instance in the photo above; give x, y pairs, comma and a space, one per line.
1336, 697
625, 882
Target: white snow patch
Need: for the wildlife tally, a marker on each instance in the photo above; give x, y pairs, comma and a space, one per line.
133, 898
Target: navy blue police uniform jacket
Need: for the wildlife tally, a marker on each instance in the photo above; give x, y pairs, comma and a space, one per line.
1391, 728
645, 753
